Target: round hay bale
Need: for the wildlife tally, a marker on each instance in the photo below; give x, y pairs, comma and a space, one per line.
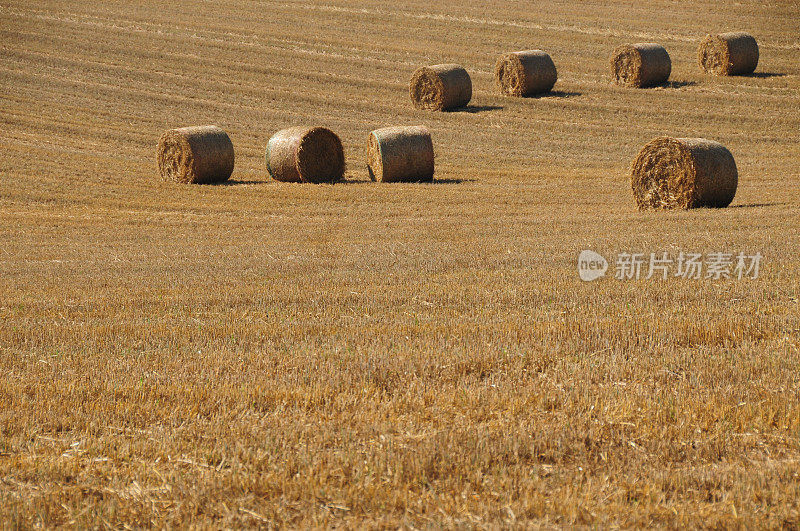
400, 154
681, 173
525, 73
440, 87
305, 154
640, 65
199, 155
728, 54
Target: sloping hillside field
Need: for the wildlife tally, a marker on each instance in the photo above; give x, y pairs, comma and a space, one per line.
259, 353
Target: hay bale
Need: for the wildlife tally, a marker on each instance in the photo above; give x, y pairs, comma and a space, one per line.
305, 154
525, 73
440, 87
400, 154
681, 173
728, 54
640, 65
199, 155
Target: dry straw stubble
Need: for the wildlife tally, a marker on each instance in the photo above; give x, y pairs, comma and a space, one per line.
400, 154
682, 173
728, 54
199, 155
525, 73
305, 154
440, 87
640, 65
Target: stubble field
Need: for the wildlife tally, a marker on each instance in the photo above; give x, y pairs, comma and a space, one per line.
259, 354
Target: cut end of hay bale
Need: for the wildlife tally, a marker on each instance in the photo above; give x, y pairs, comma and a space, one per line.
440, 87
400, 154
682, 173
198, 155
640, 65
525, 73
305, 154
728, 54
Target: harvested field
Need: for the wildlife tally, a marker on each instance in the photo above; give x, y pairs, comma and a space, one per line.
257, 353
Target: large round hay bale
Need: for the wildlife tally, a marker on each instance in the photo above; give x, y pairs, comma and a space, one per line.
640, 65
400, 154
728, 54
680, 173
305, 154
200, 155
440, 87
525, 73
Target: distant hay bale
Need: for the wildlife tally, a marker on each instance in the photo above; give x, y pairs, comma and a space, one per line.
400, 154
681, 173
640, 65
525, 73
440, 87
728, 54
305, 154
199, 155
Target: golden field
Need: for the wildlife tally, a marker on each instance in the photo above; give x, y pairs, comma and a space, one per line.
367, 355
